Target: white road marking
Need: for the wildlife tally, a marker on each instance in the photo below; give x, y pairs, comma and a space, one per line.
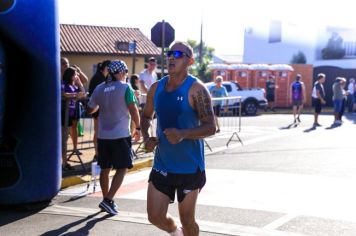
134, 217
280, 221
295, 194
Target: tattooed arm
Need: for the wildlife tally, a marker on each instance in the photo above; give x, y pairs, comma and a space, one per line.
200, 100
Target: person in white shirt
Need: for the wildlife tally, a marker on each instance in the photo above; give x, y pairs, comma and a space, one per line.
148, 76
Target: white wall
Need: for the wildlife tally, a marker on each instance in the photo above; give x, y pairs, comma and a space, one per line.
294, 38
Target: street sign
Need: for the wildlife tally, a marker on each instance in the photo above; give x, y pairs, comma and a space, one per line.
132, 47
167, 34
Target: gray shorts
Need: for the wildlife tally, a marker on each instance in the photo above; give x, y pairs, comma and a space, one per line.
297, 102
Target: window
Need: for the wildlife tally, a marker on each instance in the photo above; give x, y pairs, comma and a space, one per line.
242, 74
275, 32
262, 73
228, 87
282, 74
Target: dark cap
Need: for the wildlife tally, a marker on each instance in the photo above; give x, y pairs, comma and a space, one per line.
152, 59
298, 77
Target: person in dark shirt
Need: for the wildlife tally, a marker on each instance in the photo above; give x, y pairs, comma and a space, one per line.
72, 90
99, 77
270, 92
318, 97
297, 98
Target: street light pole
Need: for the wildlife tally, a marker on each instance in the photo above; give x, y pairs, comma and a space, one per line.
133, 56
163, 46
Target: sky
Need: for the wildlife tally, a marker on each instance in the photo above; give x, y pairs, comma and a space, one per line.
223, 21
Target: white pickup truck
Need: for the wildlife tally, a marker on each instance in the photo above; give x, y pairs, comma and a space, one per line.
252, 99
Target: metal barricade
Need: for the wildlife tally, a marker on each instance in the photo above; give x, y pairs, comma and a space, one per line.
66, 132
229, 117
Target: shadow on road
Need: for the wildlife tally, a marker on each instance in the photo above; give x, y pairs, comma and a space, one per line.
310, 129
293, 125
12, 213
82, 231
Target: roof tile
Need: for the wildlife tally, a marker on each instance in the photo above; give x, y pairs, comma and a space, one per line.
102, 40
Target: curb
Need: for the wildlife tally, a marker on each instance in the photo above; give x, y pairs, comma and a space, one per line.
81, 179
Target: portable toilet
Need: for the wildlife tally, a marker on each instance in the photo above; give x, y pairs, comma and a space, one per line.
282, 73
241, 74
260, 73
222, 70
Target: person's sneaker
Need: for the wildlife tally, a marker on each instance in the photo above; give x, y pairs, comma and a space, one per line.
337, 122
115, 205
273, 110
298, 119
178, 232
108, 206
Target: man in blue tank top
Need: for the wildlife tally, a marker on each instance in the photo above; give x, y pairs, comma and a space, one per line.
184, 117
297, 91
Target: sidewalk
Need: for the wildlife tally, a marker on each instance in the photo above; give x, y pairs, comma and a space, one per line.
80, 175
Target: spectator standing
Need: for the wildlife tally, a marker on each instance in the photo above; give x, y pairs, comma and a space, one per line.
350, 95
184, 117
72, 90
65, 64
218, 91
99, 77
270, 92
339, 95
135, 85
318, 97
297, 91
117, 104
148, 76
83, 79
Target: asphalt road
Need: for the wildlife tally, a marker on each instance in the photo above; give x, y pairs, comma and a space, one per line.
284, 180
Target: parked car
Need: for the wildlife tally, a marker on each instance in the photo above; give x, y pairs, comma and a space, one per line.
251, 99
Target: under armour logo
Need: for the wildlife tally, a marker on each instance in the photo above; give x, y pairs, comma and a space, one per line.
186, 191
180, 98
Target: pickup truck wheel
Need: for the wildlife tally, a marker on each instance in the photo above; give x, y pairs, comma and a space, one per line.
250, 108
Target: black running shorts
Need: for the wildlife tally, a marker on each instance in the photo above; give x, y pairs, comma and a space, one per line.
115, 153
169, 183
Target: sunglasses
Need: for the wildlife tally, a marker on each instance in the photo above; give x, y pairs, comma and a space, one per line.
176, 54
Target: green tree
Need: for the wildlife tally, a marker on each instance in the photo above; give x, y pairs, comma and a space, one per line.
299, 58
200, 68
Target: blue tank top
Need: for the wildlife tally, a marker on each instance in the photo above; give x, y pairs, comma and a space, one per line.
174, 111
297, 91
